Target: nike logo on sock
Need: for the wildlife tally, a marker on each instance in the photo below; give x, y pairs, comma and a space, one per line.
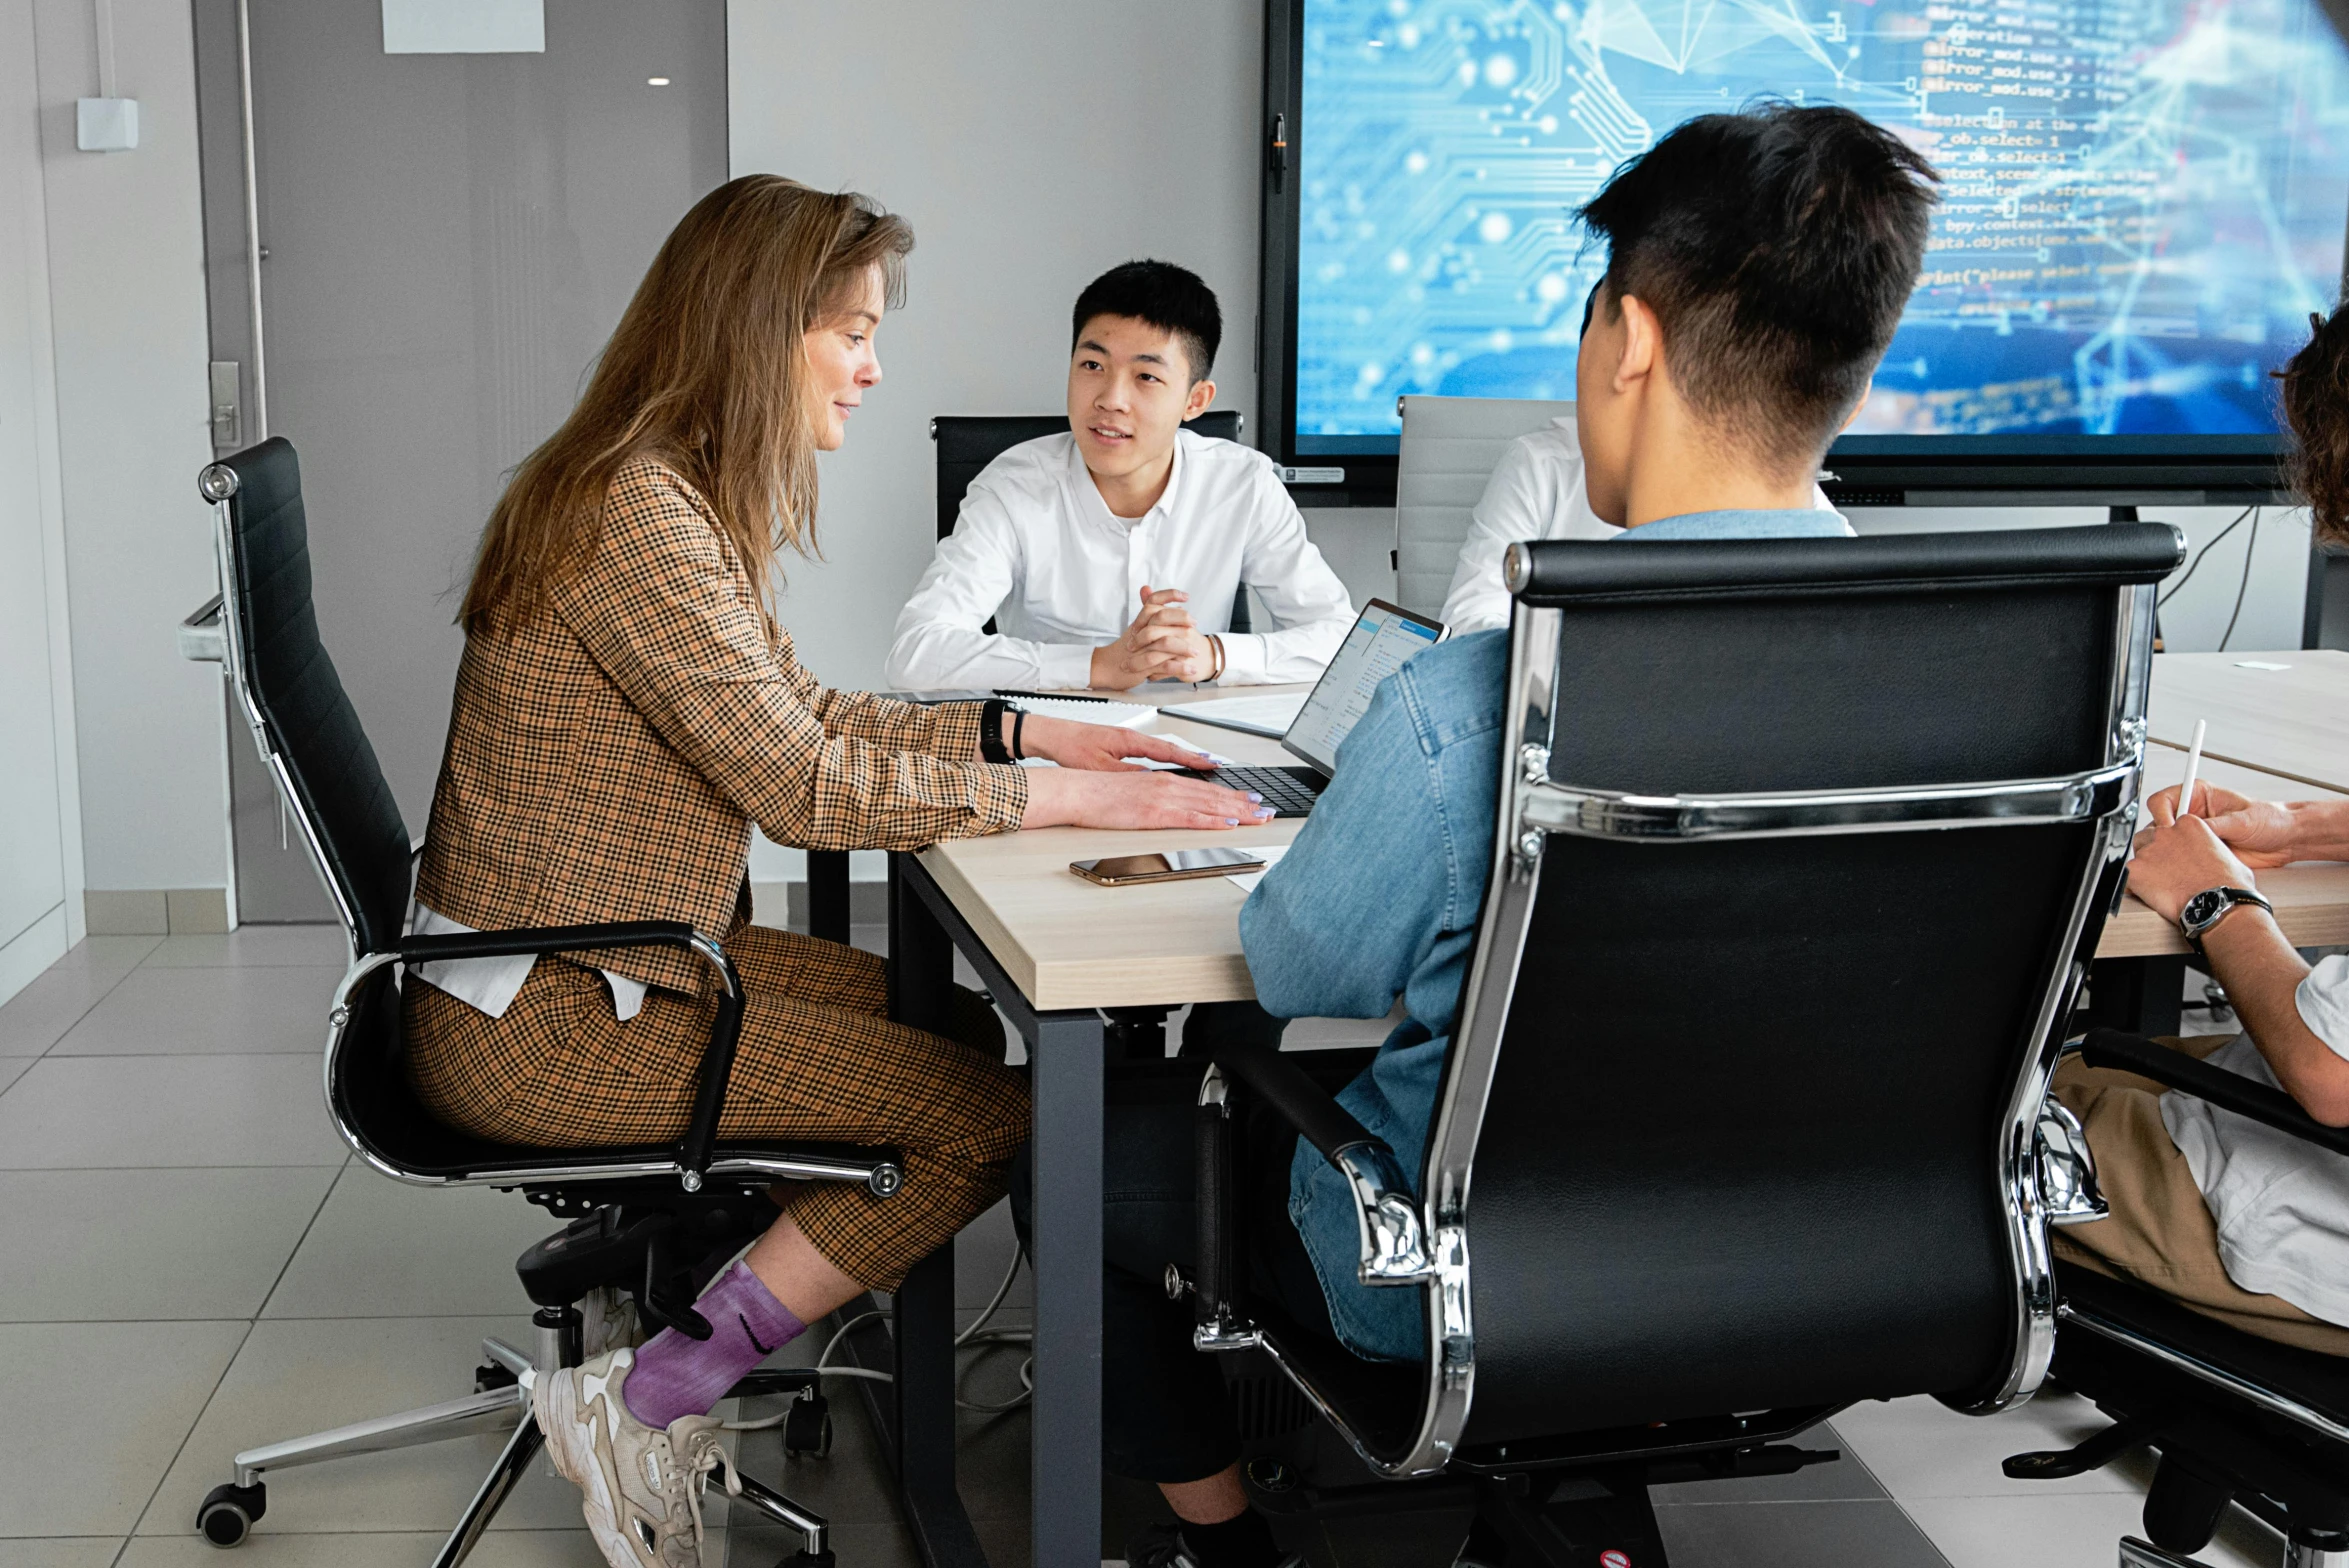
764, 1350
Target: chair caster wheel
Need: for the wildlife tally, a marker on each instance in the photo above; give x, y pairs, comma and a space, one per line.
493, 1374
807, 1559
807, 1428
229, 1512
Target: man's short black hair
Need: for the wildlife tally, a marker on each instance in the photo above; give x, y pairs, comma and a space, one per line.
1173, 299
1777, 248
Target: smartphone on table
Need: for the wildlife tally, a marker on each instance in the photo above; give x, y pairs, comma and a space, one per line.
1172, 865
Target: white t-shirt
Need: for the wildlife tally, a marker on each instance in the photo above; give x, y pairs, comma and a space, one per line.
1535, 492
1037, 548
2282, 1206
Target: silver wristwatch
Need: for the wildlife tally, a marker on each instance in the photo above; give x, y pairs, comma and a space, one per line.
2208, 907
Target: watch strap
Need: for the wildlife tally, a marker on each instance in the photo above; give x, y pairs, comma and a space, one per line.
991, 746
2217, 902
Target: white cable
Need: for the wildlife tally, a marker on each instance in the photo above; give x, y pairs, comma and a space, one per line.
102, 25
1001, 1291
977, 1334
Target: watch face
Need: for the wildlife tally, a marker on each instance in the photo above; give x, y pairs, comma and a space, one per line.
2200, 908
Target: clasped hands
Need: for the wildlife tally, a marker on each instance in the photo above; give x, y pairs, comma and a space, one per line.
1160, 644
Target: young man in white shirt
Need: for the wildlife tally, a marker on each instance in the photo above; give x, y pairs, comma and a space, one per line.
2266, 1249
1535, 492
1111, 555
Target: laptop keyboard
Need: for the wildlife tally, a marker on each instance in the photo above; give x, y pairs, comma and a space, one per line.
1290, 792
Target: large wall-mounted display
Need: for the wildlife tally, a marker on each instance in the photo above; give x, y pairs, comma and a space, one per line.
2145, 199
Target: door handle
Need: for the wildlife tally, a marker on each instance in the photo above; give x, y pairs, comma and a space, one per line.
227, 414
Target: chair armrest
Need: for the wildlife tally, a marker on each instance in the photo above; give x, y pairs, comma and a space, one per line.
694, 1149
2228, 1091
1394, 1241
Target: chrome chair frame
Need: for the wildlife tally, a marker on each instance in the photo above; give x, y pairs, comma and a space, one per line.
2045, 1176
227, 1514
2243, 1423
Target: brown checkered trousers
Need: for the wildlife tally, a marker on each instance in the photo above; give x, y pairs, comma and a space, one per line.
606, 759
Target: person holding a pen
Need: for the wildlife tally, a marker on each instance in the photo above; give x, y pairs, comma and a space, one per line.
2234, 1219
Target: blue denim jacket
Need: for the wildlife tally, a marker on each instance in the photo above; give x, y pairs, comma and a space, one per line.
1380, 896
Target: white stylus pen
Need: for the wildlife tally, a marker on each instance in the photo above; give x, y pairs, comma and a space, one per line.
2193, 766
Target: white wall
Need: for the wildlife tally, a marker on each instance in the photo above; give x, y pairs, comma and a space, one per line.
1032, 145
1356, 543
2196, 617
40, 830
126, 300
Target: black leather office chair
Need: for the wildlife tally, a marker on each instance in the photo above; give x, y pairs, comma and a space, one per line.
1665, 1223
2236, 1418
652, 1220
967, 443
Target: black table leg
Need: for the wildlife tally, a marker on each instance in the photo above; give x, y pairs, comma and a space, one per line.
921, 973
2141, 995
1066, 1507
827, 894
1068, 1060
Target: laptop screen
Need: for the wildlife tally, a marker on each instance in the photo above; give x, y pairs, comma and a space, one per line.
1383, 638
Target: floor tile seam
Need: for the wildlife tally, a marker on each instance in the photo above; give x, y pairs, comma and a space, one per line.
1926, 1535
165, 1170
111, 987
87, 1055
152, 967
295, 1251
227, 1365
300, 1165
232, 1317
182, 1056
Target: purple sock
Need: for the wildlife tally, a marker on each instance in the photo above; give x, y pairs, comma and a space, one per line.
678, 1376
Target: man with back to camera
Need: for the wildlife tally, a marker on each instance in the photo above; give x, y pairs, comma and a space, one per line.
1535, 492
1111, 555
1758, 264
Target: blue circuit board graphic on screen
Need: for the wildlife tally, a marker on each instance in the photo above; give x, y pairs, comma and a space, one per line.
2144, 199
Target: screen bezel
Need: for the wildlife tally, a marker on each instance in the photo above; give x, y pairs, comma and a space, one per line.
1329, 769
1860, 471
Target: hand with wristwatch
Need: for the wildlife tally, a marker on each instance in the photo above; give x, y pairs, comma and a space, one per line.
2187, 874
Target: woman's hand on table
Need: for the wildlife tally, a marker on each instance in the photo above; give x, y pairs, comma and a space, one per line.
1073, 797
1101, 747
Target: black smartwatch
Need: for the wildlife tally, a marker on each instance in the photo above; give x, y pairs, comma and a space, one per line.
2208, 907
991, 746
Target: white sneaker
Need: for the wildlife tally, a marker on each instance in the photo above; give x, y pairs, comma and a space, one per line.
640, 1489
607, 1322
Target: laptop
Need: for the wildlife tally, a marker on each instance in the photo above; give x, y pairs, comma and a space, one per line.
1384, 638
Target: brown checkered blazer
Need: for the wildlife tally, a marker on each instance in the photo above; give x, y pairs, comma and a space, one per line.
607, 757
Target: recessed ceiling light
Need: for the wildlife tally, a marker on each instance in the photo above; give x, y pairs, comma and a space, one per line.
656, 81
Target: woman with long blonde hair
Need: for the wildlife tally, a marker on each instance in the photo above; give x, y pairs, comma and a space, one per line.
627, 708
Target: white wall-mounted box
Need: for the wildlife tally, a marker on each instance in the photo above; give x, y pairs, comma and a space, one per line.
106, 124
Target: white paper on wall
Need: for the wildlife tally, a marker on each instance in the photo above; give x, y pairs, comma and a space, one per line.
464, 26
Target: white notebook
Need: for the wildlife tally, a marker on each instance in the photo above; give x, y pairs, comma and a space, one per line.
1269, 714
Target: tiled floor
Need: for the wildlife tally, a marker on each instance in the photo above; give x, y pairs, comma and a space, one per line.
189, 1264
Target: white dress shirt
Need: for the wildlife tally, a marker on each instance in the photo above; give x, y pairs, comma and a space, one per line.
1037, 548
2282, 1206
1535, 492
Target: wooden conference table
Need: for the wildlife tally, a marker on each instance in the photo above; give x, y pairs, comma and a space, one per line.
1054, 951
